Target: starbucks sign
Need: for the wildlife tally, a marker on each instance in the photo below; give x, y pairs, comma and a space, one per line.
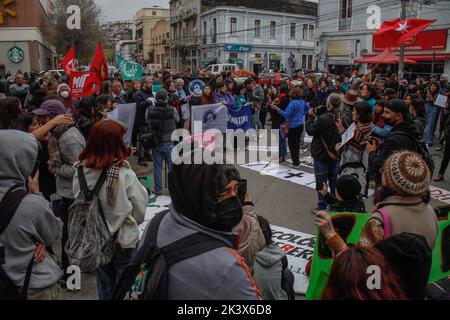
16, 55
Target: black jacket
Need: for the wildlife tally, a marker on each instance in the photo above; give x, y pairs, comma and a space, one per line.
393, 143
141, 106
351, 206
323, 127
162, 115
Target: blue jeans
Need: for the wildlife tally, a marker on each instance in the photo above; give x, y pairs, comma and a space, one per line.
283, 146
161, 153
108, 276
432, 118
328, 171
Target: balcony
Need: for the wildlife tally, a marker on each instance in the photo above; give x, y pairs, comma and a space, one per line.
190, 13
175, 19
345, 24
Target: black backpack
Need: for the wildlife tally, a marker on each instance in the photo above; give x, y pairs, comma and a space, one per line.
420, 148
146, 278
8, 207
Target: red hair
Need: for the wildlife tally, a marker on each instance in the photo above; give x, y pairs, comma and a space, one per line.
105, 146
348, 277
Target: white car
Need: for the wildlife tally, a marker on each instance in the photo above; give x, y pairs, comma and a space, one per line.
217, 69
58, 72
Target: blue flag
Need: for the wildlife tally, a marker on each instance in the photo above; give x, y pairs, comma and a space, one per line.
240, 118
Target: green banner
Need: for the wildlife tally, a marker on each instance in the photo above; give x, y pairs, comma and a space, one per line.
349, 226
129, 69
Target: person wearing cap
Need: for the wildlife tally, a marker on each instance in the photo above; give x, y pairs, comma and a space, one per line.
402, 205
348, 102
347, 198
403, 136
65, 145
163, 119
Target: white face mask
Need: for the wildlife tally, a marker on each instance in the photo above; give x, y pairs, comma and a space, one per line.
65, 94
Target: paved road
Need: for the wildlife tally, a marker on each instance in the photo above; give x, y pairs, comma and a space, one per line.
283, 203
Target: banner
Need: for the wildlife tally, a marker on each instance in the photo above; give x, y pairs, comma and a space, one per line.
212, 116
83, 84
125, 113
68, 63
423, 41
99, 64
240, 118
129, 69
195, 85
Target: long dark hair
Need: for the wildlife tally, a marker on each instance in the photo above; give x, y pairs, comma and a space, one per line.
24, 121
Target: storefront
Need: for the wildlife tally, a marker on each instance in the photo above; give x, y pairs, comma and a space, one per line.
237, 54
275, 62
340, 56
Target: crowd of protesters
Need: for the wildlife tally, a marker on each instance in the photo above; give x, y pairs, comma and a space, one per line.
60, 144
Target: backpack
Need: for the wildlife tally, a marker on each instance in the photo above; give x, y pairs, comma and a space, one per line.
146, 278
89, 243
420, 148
8, 207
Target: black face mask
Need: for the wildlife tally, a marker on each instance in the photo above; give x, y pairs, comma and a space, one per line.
228, 215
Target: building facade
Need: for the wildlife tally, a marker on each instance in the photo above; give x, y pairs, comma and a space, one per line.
126, 49
25, 36
344, 35
256, 39
145, 21
185, 25
161, 43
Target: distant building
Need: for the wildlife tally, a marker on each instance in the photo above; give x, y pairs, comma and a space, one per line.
258, 39
126, 49
25, 36
145, 21
344, 36
161, 43
117, 31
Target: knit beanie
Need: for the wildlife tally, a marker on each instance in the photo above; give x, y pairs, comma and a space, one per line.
406, 174
348, 187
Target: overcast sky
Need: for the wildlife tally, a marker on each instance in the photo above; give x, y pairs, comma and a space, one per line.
113, 10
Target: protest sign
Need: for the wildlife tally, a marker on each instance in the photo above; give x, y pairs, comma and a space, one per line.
240, 118
211, 116
348, 135
441, 100
125, 113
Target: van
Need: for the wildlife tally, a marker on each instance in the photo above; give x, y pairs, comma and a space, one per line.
217, 69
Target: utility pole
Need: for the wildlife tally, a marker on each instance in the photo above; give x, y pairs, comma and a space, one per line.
401, 64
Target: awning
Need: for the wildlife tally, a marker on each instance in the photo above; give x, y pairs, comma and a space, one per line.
419, 57
386, 57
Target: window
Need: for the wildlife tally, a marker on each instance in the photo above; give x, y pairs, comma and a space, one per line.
311, 31
304, 62
293, 26
310, 62
168, 35
346, 9
214, 38
204, 32
257, 28
305, 32
154, 13
412, 8
234, 55
258, 55
273, 29
233, 26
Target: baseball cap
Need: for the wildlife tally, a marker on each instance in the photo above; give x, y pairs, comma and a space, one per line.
52, 106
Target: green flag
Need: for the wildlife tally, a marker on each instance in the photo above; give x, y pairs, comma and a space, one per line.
129, 69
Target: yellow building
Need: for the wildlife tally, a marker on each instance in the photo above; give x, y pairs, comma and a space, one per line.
160, 43
145, 21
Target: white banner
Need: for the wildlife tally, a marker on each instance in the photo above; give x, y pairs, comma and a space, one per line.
211, 116
125, 113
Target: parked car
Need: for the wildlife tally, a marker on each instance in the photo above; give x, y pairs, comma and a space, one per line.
217, 69
264, 78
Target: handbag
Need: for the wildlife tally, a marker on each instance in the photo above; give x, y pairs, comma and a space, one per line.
151, 139
331, 155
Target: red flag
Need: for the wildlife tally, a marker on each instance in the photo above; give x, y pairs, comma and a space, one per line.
83, 84
68, 63
398, 31
99, 64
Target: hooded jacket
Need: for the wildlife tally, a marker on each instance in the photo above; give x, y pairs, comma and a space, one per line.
268, 270
163, 115
393, 143
323, 127
141, 106
33, 221
219, 274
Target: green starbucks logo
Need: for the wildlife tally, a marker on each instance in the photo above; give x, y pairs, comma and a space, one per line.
16, 55
129, 68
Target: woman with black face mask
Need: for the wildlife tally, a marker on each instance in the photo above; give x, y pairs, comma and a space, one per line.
205, 201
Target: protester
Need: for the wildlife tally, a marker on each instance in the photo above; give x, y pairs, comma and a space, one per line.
348, 276
117, 92
63, 93
295, 117
10, 109
122, 197
418, 113
271, 268
325, 137
241, 98
369, 94
143, 99
281, 102
347, 199
87, 114
433, 112
208, 96
348, 102
379, 127
162, 120
33, 226
19, 88
224, 97
64, 145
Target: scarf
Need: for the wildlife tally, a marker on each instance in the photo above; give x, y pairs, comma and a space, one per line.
112, 181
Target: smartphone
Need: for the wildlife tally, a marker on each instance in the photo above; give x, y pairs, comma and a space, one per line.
242, 189
319, 183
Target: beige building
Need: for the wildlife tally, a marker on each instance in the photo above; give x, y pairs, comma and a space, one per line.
160, 43
145, 21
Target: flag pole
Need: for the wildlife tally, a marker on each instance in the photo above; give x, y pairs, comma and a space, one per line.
401, 64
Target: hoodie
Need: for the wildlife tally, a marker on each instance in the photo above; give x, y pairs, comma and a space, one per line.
33, 221
268, 270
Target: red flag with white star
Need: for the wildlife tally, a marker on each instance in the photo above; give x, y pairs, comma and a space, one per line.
398, 31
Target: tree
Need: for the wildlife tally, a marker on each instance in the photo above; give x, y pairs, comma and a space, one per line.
85, 40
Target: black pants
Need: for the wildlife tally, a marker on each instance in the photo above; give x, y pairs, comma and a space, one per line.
294, 137
446, 159
263, 117
64, 216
